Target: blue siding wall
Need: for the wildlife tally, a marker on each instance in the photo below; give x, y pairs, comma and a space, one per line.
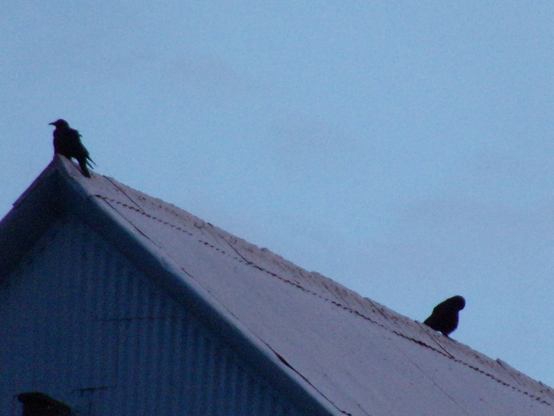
80, 323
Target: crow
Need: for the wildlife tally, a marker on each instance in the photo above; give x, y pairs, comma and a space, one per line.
67, 142
445, 315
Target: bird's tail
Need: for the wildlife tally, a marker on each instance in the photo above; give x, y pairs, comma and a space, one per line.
84, 168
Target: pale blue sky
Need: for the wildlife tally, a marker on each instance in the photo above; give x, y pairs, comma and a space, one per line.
403, 149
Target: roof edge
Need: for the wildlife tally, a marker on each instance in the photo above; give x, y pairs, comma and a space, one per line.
32, 214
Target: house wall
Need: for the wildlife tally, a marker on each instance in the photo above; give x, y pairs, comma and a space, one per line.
83, 325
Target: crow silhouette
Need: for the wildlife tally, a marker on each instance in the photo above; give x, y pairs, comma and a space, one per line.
67, 142
445, 315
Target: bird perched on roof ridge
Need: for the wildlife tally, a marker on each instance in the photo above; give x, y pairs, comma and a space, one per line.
67, 142
445, 315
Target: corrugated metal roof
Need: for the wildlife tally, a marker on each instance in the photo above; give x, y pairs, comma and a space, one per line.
350, 353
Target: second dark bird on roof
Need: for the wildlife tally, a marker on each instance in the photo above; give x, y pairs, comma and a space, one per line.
445, 315
67, 142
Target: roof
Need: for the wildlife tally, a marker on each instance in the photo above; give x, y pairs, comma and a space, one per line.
325, 343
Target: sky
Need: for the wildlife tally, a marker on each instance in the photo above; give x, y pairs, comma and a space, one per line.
403, 149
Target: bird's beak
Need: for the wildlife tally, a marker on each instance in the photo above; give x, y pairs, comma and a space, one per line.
50, 124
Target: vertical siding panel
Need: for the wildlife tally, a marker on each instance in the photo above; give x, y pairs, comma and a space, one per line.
173, 362
208, 363
196, 371
219, 379
153, 361
189, 366
161, 387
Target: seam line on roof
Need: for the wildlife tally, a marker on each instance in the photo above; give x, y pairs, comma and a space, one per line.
334, 302
123, 192
109, 202
286, 363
